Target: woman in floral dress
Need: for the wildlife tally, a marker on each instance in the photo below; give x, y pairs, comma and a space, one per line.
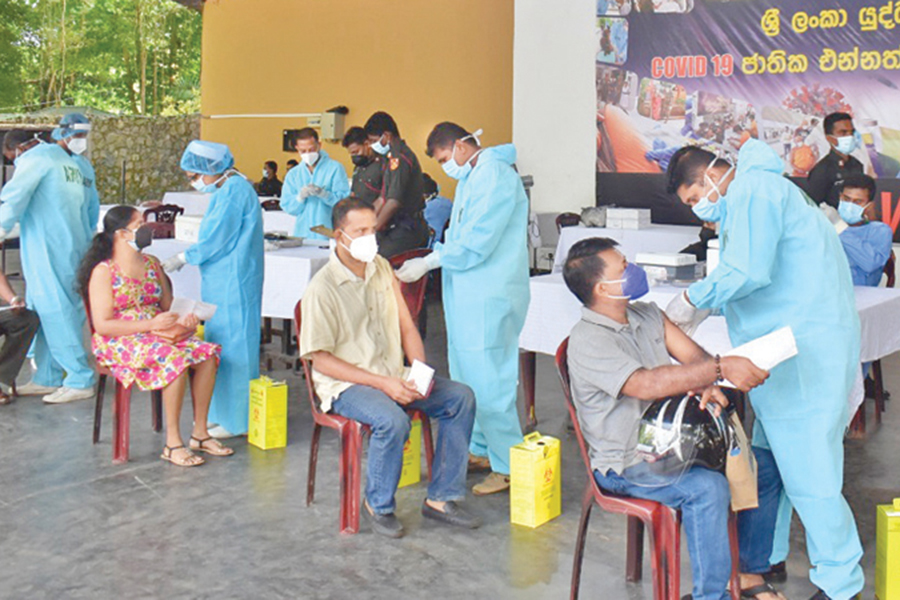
139, 340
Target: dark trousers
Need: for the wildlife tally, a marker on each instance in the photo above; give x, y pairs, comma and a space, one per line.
17, 327
401, 238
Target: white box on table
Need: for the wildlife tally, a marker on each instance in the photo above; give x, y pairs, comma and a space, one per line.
187, 228
627, 218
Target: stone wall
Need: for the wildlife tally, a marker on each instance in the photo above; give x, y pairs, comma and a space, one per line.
149, 147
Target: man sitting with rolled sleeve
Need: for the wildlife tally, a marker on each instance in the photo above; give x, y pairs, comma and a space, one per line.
356, 330
620, 359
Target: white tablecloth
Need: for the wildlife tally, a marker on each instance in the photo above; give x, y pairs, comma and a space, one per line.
656, 238
554, 311
194, 203
287, 275
273, 220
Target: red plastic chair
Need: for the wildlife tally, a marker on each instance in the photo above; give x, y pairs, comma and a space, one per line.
121, 404
351, 435
163, 224
664, 522
567, 219
413, 292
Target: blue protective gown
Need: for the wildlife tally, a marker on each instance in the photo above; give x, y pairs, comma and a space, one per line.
484, 262
46, 197
781, 263
91, 210
229, 252
315, 210
868, 248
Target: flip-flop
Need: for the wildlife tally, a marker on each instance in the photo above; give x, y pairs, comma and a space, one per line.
167, 456
216, 450
756, 590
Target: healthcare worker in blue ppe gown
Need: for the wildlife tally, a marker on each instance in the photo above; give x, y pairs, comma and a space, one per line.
229, 252
72, 136
782, 264
312, 189
46, 198
484, 262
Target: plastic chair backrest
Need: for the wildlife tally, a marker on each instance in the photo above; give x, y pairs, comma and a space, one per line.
567, 219
165, 213
314, 402
272, 204
414, 292
890, 269
562, 369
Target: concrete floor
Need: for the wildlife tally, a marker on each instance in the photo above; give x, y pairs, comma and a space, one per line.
73, 525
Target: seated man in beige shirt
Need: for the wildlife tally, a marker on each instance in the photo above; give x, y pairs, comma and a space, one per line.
356, 330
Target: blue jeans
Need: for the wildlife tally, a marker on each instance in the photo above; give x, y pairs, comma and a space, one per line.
452, 404
703, 497
756, 528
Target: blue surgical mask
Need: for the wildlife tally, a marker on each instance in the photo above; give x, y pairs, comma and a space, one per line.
848, 143
850, 212
380, 148
207, 188
634, 283
706, 209
456, 170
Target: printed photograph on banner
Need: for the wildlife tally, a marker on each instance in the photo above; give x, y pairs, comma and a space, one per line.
724, 121
612, 40
791, 134
617, 86
625, 7
661, 100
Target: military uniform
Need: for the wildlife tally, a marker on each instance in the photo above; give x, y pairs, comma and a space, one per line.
403, 183
368, 180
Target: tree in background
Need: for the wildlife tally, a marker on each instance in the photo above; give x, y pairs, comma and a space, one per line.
122, 56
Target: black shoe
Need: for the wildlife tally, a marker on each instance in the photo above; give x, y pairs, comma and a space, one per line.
820, 595
453, 514
387, 525
777, 573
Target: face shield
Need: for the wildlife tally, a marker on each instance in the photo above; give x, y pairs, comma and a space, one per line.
675, 435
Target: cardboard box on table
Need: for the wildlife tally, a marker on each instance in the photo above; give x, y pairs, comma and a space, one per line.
268, 414
887, 551
412, 455
535, 481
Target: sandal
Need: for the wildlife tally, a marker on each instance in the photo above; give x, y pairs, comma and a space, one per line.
764, 588
188, 459
214, 446
5, 399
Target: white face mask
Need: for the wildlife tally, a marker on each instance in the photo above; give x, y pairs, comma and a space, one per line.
265, 173
77, 145
310, 158
380, 148
364, 248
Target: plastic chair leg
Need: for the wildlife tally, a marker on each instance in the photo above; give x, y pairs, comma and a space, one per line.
351, 477
121, 418
98, 406
429, 445
879, 390
156, 404
313, 459
634, 551
587, 503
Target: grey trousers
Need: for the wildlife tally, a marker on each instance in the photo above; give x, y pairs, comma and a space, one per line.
17, 327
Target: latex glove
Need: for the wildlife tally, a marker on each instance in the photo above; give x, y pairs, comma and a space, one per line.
311, 190
174, 263
684, 314
414, 269
834, 218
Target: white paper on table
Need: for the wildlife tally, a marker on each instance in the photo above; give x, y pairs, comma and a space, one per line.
186, 306
767, 351
422, 375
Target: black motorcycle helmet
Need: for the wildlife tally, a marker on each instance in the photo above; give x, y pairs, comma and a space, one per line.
675, 434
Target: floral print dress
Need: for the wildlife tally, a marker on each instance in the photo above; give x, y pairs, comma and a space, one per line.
144, 358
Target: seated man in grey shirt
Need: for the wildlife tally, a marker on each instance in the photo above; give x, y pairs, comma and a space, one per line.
620, 357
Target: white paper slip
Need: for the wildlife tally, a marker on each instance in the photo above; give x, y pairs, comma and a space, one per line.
422, 375
186, 306
767, 351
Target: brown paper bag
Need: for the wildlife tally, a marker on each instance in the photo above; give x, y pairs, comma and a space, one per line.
740, 469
